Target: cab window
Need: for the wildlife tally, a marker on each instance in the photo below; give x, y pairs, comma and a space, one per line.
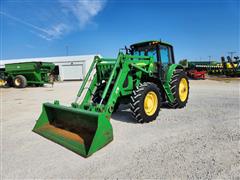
139, 53
153, 54
165, 55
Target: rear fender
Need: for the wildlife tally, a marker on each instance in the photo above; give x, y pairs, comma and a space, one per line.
168, 77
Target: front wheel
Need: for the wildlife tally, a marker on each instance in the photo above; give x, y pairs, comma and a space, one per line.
180, 89
145, 102
2, 82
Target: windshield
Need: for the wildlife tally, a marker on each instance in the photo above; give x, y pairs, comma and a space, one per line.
146, 52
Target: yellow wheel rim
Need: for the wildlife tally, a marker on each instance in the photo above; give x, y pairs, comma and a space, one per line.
183, 89
150, 103
2, 82
17, 82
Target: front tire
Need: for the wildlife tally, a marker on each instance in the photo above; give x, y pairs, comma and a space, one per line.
98, 93
97, 96
145, 102
20, 81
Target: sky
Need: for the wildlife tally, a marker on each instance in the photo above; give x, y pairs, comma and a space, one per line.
198, 29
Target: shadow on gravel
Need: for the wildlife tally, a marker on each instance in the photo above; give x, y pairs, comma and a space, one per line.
165, 106
123, 114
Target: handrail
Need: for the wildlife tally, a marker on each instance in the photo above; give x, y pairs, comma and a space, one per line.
96, 58
139, 68
111, 77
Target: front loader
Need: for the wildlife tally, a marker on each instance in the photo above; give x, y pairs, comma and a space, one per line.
145, 76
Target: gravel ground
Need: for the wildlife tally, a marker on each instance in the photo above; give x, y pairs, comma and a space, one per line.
199, 141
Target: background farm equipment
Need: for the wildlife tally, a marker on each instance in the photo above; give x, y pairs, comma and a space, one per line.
198, 69
145, 77
195, 74
229, 68
194, 71
20, 75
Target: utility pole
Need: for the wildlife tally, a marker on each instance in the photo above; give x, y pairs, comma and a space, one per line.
231, 53
66, 50
209, 57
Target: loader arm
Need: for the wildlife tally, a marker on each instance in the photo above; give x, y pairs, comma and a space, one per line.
121, 72
128, 65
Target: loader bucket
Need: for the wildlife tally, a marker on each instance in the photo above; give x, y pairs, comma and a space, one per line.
81, 131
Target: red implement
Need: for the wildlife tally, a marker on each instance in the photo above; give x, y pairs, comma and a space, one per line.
196, 74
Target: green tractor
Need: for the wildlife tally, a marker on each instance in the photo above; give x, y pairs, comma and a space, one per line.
145, 76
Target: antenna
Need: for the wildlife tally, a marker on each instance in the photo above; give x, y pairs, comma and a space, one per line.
209, 57
231, 53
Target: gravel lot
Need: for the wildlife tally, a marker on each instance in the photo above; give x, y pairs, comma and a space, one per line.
199, 141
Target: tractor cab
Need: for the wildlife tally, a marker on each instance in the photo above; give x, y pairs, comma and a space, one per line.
161, 52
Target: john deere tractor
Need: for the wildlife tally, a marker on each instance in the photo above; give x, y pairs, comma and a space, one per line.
144, 75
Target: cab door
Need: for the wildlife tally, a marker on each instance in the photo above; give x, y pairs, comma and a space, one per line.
165, 59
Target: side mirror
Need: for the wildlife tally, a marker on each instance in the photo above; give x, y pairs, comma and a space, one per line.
127, 50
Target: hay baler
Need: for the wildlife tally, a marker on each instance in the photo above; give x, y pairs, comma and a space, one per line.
145, 76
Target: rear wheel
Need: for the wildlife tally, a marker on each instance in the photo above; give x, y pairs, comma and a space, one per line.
20, 81
145, 102
180, 89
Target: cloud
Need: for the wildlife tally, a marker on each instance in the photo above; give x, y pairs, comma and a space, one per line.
54, 32
50, 33
65, 16
83, 10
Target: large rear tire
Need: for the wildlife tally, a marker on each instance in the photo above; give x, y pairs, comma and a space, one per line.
145, 102
180, 89
20, 81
